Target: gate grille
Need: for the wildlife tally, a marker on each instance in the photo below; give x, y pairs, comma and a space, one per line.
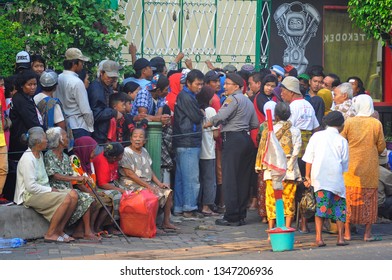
224, 31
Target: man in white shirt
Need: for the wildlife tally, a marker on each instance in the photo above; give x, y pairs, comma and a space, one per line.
73, 94
326, 159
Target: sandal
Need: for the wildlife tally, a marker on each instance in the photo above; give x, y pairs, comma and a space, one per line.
104, 234
373, 238
59, 239
67, 237
207, 214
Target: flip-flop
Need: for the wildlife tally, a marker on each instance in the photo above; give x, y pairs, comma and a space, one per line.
373, 238
320, 244
59, 239
304, 232
104, 234
67, 237
208, 214
342, 244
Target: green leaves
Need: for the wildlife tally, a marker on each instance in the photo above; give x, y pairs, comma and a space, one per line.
12, 41
374, 17
54, 26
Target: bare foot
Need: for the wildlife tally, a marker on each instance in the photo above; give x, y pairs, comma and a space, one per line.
78, 235
92, 237
347, 238
169, 226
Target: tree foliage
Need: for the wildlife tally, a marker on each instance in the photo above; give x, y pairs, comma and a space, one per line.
374, 17
11, 40
51, 27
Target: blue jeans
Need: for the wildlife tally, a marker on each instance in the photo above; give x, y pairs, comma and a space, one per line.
187, 185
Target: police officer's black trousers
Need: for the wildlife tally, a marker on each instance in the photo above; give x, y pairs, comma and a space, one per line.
237, 168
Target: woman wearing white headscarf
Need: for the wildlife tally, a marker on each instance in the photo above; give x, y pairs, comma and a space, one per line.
366, 142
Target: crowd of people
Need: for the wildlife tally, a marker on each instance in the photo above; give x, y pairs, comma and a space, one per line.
70, 146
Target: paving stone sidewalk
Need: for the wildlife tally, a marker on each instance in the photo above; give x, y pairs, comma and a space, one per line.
200, 239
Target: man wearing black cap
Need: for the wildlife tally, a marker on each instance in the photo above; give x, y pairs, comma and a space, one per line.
326, 158
143, 73
237, 117
212, 79
160, 64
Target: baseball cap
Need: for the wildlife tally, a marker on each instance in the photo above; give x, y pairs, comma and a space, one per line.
292, 84
212, 76
75, 53
111, 68
48, 78
248, 67
229, 68
157, 62
278, 70
304, 76
291, 70
142, 63
23, 59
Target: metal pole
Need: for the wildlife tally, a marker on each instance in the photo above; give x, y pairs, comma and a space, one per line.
180, 27
259, 7
142, 43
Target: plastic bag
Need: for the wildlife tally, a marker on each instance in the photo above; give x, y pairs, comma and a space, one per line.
275, 160
138, 212
307, 205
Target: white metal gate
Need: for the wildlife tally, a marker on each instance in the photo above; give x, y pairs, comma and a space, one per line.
224, 31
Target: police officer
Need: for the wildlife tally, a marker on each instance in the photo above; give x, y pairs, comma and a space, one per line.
237, 117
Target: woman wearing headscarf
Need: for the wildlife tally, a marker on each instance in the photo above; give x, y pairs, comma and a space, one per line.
326, 96
366, 139
86, 149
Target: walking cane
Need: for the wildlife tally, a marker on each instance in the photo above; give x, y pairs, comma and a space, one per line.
107, 210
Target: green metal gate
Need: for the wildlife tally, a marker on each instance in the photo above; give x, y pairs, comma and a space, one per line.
224, 31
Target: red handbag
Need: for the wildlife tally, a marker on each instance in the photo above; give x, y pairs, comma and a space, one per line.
138, 212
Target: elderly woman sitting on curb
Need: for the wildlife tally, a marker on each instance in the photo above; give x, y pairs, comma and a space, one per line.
136, 174
33, 188
59, 169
